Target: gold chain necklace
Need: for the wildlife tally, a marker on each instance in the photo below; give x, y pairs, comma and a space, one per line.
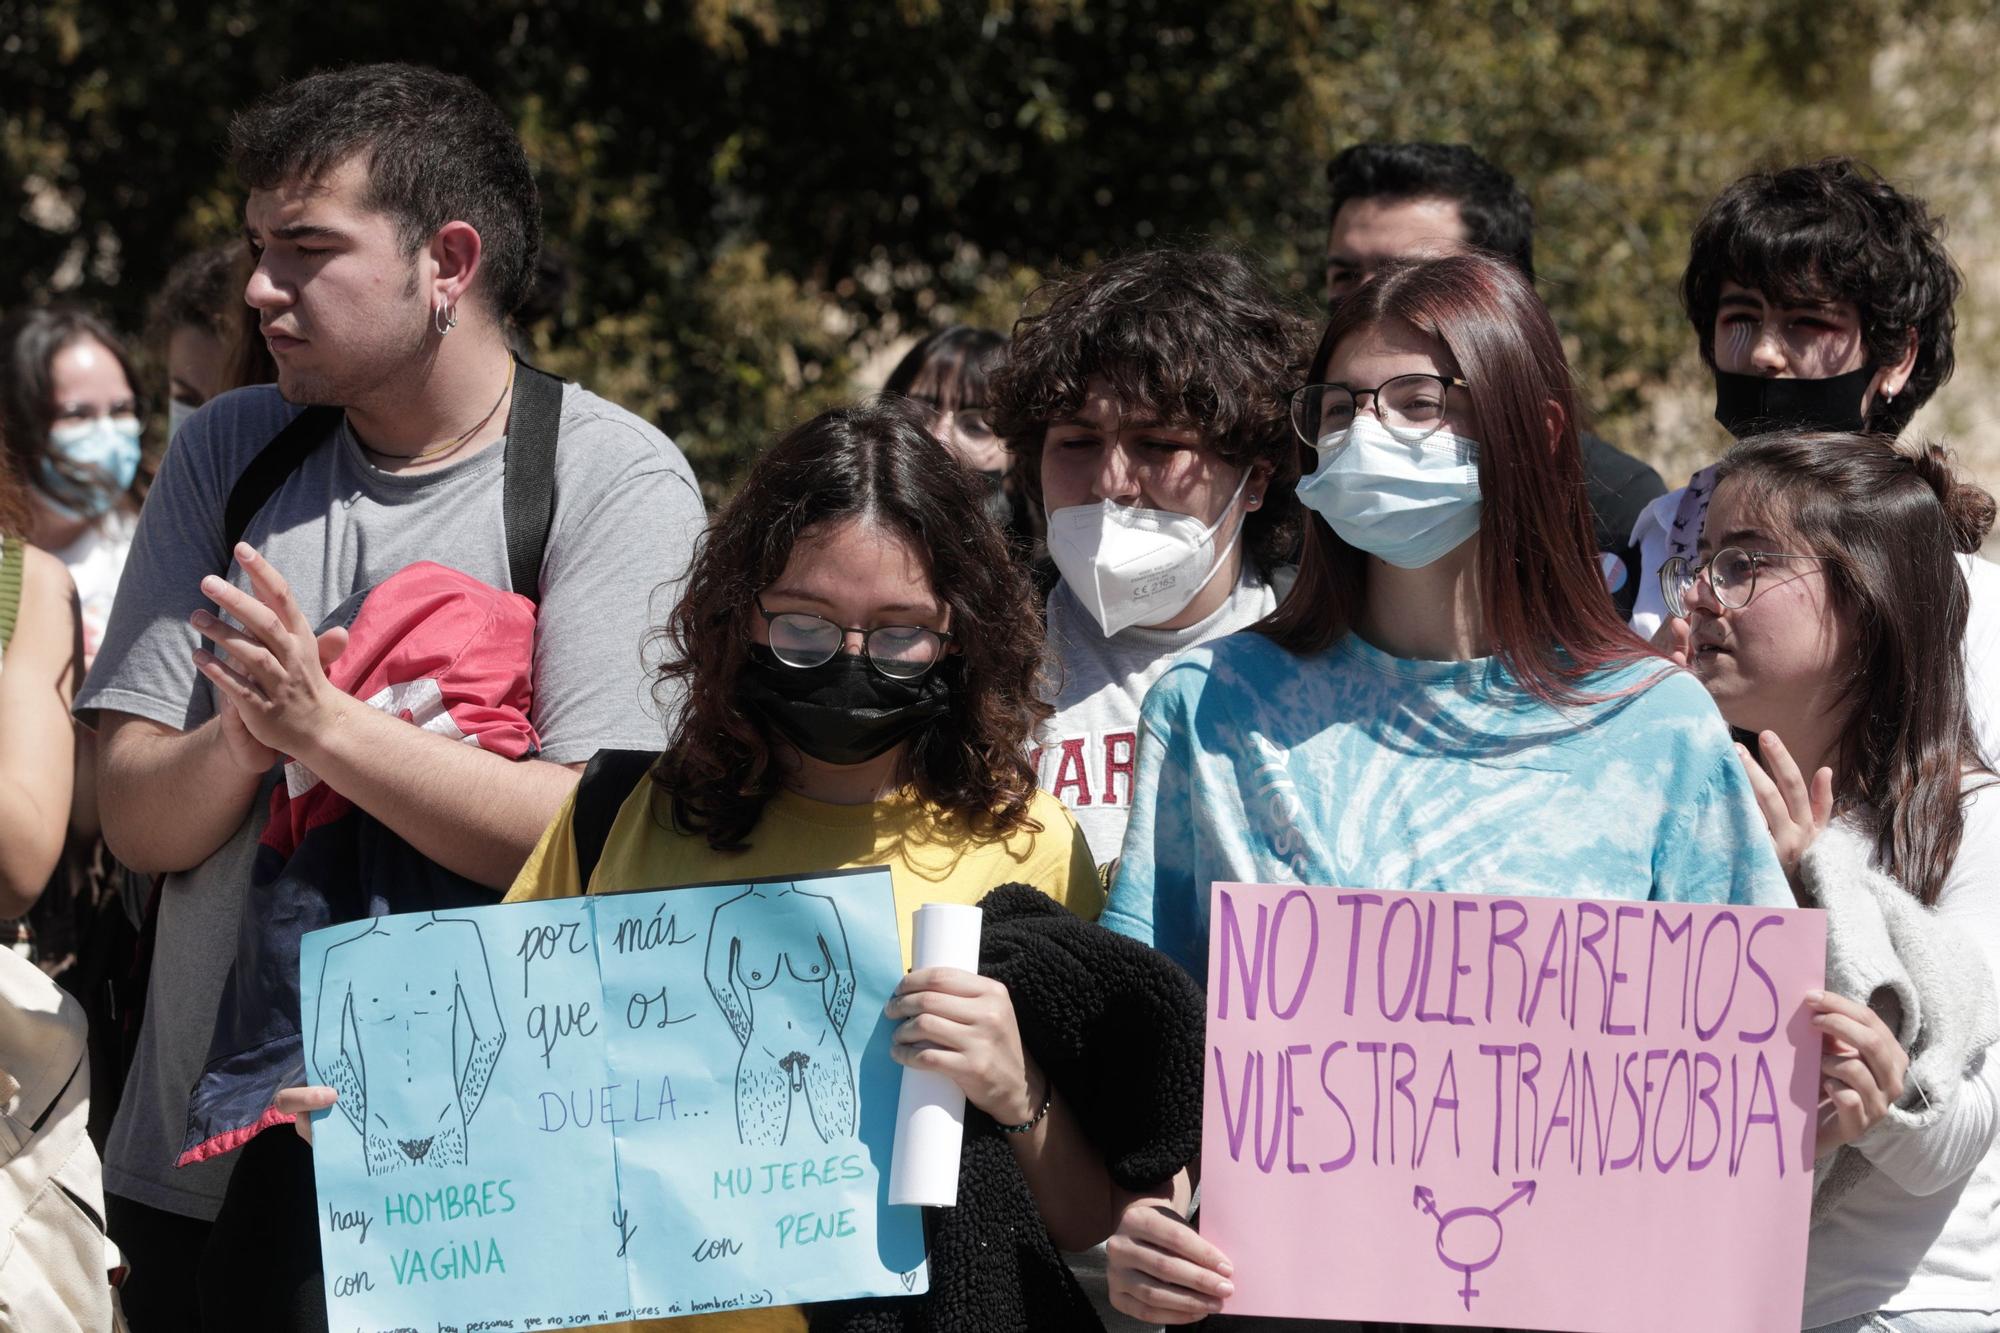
457, 442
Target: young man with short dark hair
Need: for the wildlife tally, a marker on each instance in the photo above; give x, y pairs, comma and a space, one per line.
1400, 201
394, 225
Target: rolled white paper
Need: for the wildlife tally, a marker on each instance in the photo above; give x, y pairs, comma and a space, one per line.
930, 1110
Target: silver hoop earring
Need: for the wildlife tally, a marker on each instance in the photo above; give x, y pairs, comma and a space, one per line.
445, 318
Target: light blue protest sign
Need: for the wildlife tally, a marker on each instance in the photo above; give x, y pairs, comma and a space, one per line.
627, 1106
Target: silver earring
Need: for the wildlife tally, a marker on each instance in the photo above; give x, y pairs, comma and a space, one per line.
445, 318
1253, 502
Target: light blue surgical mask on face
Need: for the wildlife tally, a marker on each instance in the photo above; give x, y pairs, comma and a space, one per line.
106, 448
1409, 503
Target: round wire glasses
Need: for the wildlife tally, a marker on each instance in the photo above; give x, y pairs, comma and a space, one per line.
1410, 407
1731, 574
901, 652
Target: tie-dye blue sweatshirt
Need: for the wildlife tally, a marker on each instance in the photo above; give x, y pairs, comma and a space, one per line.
1361, 770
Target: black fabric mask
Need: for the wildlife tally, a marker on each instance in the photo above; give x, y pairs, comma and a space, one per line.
1749, 405
844, 711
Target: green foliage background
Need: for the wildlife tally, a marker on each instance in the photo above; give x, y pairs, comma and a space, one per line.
759, 196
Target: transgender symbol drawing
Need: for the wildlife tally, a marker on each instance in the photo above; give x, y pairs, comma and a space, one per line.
1468, 1239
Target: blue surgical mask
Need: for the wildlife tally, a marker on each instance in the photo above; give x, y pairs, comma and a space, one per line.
104, 448
177, 413
1410, 504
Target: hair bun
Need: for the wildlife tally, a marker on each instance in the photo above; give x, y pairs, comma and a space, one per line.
1968, 509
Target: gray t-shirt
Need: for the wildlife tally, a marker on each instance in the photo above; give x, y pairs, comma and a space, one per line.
627, 514
1084, 755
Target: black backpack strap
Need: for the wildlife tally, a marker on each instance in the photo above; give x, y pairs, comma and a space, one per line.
529, 493
267, 471
607, 781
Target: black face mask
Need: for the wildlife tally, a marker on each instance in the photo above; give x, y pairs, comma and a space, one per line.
844, 711
1749, 405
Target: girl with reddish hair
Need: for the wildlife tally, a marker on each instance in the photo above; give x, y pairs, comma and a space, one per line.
1446, 699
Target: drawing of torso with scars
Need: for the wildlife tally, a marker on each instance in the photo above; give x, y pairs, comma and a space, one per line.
778, 966
426, 990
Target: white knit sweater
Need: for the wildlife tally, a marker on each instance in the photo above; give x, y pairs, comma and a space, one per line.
1920, 1229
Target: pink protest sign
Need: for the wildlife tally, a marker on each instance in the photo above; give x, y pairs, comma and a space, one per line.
1542, 1113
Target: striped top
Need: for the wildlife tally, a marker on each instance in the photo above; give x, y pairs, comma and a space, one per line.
10, 589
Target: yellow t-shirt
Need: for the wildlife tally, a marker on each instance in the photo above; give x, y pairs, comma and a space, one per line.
796, 836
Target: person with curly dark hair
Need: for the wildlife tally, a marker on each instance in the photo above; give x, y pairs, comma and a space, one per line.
1144, 402
858, 655
1822, 299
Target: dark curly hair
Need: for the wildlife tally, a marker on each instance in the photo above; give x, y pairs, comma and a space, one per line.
1834, 230
1196, 338
876, 461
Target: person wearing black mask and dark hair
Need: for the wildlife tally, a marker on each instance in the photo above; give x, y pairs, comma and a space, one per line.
1401, 201
1822, 299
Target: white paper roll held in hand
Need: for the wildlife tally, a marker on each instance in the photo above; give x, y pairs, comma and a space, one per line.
930, 1111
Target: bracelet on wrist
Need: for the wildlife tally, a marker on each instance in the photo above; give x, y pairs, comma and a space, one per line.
1048, 1097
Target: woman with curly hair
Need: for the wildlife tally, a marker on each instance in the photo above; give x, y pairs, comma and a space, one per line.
859, 654
1144, 403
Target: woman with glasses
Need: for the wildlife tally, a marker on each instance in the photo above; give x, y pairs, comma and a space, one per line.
70, 419
948, 374
1827, 614
1445, 700
859, 656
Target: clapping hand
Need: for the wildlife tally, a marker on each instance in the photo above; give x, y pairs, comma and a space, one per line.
273, 691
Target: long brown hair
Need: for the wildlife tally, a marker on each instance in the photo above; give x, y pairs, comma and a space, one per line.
1546, 610
876, 460
1890, 521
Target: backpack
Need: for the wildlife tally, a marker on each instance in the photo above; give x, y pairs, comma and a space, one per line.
54, 1256
607, 780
